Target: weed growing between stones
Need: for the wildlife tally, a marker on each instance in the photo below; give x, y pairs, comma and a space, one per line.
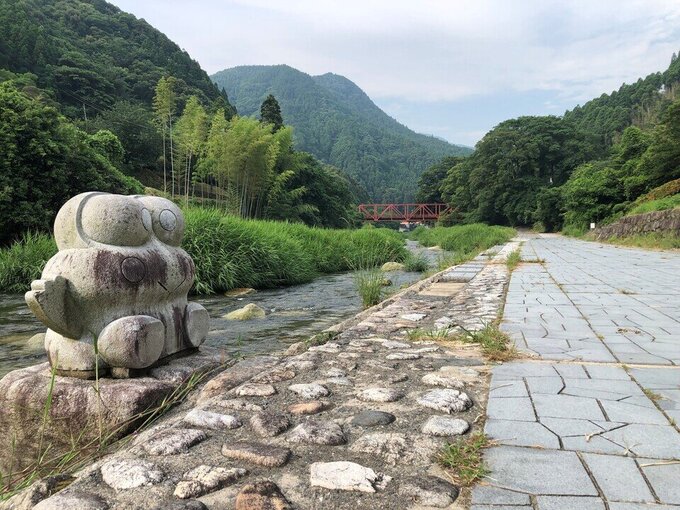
417, 263
513, 260
464, 458
370, 283
652, 395
496, 345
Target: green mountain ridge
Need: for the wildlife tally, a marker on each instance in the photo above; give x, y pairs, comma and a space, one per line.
90, 54
337, 122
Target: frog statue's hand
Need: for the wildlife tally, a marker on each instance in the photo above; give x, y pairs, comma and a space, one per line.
47, 300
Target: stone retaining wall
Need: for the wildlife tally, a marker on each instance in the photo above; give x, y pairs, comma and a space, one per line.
648, 223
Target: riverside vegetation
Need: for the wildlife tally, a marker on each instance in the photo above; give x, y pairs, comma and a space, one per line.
231, 252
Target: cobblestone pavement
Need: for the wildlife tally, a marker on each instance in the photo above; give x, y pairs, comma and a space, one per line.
352, 423
590, 420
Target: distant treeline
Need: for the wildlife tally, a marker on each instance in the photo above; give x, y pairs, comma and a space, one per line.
590, 165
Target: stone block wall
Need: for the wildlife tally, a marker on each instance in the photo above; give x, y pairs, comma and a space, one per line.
647, 223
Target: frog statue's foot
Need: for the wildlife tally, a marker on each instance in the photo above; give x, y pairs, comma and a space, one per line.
132, 342
197, 323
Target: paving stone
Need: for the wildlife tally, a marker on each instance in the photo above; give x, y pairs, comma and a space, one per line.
312, 407
187, 504
317, 432
639, 506
511, 408
569, 503
172, 441
204, 479
446, 400
521, 433
273, 376
500, 389
346, 476
398, 378
336, 372
403, 356
210, 420
255, 390
618, 477
370, 418
445, 426
631, 413
654, 441
439, 379
380, 395
262, 495
393, 344
414, 317
261, 454
269, 424
310, 391
539, 471
235, 404
664, 478
564, 406
73, 501
428, 491
123, 474
396, 447
490, 495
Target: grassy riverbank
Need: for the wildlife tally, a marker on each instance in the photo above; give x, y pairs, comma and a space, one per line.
465, 241
230, 252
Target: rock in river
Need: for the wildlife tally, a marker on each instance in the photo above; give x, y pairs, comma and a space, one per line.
248, 312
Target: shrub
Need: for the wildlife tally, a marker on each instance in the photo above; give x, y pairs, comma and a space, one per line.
23, 261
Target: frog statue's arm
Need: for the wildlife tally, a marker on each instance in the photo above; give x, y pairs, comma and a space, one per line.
47, 300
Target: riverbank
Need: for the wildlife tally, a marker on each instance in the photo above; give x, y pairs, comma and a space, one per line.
356, 421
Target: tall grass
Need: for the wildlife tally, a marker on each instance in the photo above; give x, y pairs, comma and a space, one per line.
230, 252
660, 204
370, 283
23, 261
465, 241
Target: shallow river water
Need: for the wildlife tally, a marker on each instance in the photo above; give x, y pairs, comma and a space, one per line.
293, 313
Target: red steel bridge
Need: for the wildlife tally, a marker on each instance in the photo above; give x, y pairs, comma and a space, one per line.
402, 212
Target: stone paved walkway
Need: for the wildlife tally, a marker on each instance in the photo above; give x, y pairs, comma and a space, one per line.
590, 421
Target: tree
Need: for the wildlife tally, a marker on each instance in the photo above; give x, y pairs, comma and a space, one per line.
164, 104
270, 112
45, 160
191, 129
429, 184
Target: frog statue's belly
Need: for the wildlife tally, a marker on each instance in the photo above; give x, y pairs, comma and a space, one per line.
119, 307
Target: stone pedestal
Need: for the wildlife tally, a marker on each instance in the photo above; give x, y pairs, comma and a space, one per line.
79, 412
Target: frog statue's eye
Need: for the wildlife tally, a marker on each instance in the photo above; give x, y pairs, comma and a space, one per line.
116, 220
167, 220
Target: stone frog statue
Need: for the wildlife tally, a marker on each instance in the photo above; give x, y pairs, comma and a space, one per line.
116, 292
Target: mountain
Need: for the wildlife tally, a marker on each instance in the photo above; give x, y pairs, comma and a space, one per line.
337, 122
90, 55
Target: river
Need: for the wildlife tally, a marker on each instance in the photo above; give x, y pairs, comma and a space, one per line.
293, 314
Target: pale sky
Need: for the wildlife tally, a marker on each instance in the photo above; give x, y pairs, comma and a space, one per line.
452, 68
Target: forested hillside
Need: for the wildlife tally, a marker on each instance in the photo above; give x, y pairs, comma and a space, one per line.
591, 165
337, 122
93, 98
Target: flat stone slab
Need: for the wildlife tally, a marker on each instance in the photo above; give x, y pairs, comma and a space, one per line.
380, 395
268, 424
210, 420
317, 432
537, 471
445, 426
371, 418
204, 479
313, 407
429, 491
446, 400
310, 391
346, 476
439, 379
257, 453
130, 474
255, 390
173, 441
262, 495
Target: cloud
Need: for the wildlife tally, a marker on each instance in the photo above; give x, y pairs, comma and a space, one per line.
433, 51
